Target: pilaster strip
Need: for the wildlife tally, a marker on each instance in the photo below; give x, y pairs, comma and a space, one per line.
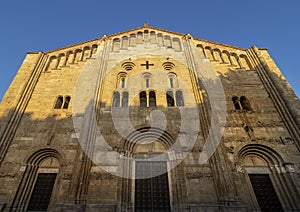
222, 177
263, 72
18, 111
81, 180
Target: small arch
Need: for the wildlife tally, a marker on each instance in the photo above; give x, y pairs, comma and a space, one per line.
168, 66
160, 39
146, 35
217, 55
147, 80
53, 62
122, 80
70, 58
116, 99
172, 79
132, 40
128, 66
139, 37
125, 42
138, 136
116, 44
78, 55
152, 99
201, 50
167, 41
265, 153
143, 99
38, 156
176, 44
170, 99
254, 160
208, 53
226, 57
86, 53
234, 59
94, 49
179, 99
245, 62
152, 37
61, 60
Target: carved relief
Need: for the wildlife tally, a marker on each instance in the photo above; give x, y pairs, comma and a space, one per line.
235, 139
8, 175
249, 130
197, 175
280, 140
102, 176
67, 176
230, 149
271, 124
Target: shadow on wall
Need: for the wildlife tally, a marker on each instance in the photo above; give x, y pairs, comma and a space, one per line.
26, 143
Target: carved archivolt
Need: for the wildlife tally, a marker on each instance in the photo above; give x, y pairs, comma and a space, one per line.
260, 155
148, 134
42, 161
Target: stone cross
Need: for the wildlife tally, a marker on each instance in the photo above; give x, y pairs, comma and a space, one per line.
147, 64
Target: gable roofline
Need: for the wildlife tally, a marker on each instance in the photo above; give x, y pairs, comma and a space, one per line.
147, 26
220, 44
73, 45
144, 27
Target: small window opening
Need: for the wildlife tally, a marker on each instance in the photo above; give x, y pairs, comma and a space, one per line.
171, 82
125, 99
147, 83
245, 103
143, 99
170, 99
152, 99
67, 102
236, 103
59, 102
123, 83
116, 99
179, 99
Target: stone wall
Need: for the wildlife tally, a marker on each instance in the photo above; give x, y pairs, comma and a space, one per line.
261, 134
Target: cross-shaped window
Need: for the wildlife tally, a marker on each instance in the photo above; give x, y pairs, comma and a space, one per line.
147, 64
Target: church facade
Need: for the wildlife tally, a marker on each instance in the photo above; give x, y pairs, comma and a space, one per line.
150, 120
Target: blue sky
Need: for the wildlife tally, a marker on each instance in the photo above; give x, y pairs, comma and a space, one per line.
35, 25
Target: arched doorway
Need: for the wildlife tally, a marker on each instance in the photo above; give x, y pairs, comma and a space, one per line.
35, 192
151, 184
266, 173
149, 188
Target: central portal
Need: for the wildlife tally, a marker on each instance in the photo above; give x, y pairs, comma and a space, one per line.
151, 193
